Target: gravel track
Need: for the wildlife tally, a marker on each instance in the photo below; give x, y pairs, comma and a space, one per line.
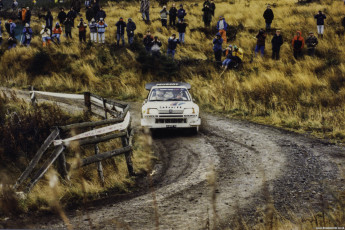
243, 158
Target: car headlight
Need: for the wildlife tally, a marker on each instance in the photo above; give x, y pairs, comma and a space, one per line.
152, 111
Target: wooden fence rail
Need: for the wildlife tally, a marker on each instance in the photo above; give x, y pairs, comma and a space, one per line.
117, 110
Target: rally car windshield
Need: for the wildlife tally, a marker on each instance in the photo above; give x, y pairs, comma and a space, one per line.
169, 94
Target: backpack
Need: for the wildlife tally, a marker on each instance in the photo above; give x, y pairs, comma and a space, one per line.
297, 44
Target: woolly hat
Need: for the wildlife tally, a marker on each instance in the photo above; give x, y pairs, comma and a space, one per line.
129, 19
101, 19
27, 25
81, 19
57, 23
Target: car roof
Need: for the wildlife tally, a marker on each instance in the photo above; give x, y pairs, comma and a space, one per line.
148, 86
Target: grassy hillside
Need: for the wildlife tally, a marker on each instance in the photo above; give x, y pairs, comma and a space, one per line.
306, 95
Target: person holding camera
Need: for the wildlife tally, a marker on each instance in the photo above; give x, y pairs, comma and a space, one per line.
130, 31
82, 30
277, 42
172, 44
164, 16
46, 35
101, 25
156, 47
57, 33
320, 22
260, 43
311, 42
217, 48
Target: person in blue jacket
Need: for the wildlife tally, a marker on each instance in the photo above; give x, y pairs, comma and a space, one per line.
172, 44
222, 26
217, 48
181, 13
320, 22
27, 33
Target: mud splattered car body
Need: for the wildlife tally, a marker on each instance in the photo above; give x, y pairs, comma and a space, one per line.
170, 105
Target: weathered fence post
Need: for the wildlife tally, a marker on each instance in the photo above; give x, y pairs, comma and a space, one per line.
99, 167
87, 101
129, 163
105, 108
62, 165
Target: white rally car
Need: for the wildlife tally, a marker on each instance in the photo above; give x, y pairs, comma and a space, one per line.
170, 105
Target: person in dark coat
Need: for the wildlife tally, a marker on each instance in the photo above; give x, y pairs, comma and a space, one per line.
207, 16
120, 32
89, 14
320, 22
49, 20
62, 16
156, 47
148, 41
260, 43
130, 31
27, 32
213, 7
82, 30
217, 48
311, 42
101, 14
68, 27
145, 9
172, 15
277, 42
181, 29
172, 44
181, 13
72, 14
95, 7
76, 5
268, 16
28, 15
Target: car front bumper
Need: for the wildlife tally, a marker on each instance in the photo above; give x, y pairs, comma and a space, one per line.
162, 123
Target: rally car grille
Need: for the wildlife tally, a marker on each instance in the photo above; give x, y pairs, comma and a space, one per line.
169, 121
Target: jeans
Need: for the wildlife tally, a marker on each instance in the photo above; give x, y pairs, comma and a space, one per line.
181, 37
275, 53
226, 62
164, 22
320, 29
259, 48
146, 15
45, 39
26, 42
130, 39
171, 53
122, 37
101, 38
93, 37
268, 26
57, 36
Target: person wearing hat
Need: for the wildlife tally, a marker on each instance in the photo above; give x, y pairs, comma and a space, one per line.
222, 26
164, 16
46, 35
172, 15
320, 22
93, 30
212, 7
268, 16
145, 9
28, 15
10, 26
62, 16
120, 31
101, 25
148, 41
260, 42
27, 33
57, 32
82, 30
181, 29
130, 31
181, 13
277, 42
217, 48
172, 44
298, 45
311, 42
89, 14
156, 47
229, 57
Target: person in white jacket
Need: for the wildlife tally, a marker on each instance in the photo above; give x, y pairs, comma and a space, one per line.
101, 25
46, 35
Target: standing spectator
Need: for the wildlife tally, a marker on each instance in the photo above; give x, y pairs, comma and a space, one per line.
12, 42
49, 20
1, 6
101, 14
212, 7
45, 32
320, 22
10, 26
28, 15
181, 29
56, 33
95, 7
148, 41
311, 42
217, 48
164, 16
27, 32
297, 45
172, 44
268, 16
68, 27
22, 14
89, 14
82, 30
222, 26
62, 16
93, 30
101, 25
130, 31
120, 32
156, 47
260, 42
172, 15
76, 5
277, 42
207, 16
14, 5
181, 13
72, 15
207, 3
0, 33
145, 9
87, 3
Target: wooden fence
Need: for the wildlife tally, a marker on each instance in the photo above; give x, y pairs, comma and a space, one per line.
118, 126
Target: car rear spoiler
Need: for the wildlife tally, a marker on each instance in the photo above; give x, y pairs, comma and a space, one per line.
148, 86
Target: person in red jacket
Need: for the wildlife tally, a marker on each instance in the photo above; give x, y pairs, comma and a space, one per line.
57, 33
297, 45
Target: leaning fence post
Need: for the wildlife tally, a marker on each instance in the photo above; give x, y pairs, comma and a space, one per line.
87, 101
129, 163
105, 108
62, 165
99, 167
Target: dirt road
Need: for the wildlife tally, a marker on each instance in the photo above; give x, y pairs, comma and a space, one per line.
230, 167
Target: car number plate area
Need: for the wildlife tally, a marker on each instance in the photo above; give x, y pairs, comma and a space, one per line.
171, 126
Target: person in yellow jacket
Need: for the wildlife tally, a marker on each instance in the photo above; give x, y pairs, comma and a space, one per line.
238, 52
